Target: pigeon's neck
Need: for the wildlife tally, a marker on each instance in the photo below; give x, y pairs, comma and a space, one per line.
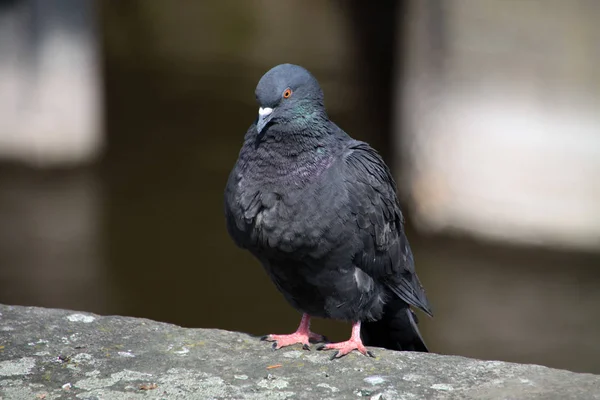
295, 157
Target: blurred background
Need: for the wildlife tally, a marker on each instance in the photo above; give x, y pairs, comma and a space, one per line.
120, 121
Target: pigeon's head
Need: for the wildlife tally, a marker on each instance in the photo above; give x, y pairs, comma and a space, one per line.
288, 94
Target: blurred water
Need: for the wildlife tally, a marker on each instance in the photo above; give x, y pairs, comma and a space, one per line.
143, 233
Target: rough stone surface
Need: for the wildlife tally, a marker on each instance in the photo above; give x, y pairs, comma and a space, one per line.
49, 354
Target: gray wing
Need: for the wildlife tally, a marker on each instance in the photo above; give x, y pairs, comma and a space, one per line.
234, 213
382, 249
240, 203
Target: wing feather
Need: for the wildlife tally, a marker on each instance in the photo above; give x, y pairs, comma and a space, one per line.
383, 250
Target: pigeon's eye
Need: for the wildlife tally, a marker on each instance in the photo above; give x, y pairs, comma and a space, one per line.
287, 93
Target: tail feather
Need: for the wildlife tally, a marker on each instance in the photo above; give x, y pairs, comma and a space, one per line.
396, 330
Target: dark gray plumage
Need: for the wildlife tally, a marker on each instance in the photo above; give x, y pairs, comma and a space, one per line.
319, 210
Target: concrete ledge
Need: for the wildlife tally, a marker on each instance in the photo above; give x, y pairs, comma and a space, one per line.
49, 354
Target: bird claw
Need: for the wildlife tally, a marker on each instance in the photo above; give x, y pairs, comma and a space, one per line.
344, 348
305, 347
280, 341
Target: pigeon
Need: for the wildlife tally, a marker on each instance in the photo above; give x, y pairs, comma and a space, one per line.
319, 210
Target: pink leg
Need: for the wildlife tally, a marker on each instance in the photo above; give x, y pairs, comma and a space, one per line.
343, 348
303, 335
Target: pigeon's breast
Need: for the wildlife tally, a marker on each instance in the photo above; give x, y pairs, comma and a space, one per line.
287, 222
285, 208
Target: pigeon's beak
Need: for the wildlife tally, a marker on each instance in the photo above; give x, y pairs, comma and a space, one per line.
264, 117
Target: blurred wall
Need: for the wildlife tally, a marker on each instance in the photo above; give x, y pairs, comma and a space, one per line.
50, 82
500, 111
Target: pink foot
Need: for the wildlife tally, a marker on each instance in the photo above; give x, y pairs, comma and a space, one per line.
288, 340
303, 336
346, 347
343, 348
